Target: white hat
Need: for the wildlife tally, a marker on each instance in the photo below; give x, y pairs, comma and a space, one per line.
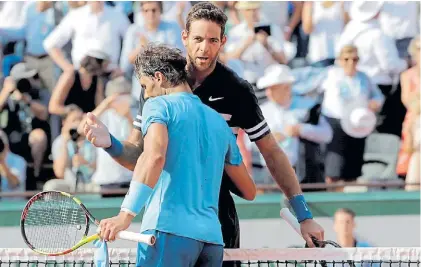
275, 74
362, 10
22, 71
358, 121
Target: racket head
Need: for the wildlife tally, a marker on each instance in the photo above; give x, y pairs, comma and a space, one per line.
55, 223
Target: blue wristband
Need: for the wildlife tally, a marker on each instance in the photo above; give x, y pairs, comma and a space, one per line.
136, 198
301, 210
116, 148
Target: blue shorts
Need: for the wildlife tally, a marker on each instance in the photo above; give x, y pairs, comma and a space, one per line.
177, 251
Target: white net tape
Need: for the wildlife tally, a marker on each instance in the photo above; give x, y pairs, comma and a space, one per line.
403, 254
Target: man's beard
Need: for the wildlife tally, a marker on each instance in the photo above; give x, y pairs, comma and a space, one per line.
192, 69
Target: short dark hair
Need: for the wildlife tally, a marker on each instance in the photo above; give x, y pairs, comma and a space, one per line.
207, 11
161, 7
347, 211
160, 58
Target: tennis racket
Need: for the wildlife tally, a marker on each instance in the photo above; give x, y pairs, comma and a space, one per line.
293, 222
56, 223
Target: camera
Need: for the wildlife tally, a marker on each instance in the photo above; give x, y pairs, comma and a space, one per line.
24, 86
74, 135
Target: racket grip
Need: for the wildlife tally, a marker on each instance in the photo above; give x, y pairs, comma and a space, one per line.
136, 237
291, 220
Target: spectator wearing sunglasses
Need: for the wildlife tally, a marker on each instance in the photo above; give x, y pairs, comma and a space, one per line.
153, 29
346, 89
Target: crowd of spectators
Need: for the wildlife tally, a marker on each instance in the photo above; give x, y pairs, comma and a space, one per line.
338, 83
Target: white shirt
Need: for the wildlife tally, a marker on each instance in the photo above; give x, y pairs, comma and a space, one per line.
256, 57
105, 30
275, 12
378, 54
335, 98
328, 23
168, 33
11, 14
279, 117
108, 171
399, 19
17, 166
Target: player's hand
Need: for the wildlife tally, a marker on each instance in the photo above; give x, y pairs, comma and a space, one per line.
96, 132
111, 226
310, 228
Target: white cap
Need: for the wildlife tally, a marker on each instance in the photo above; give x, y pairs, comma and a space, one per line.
359, 122
275, 74
362, 10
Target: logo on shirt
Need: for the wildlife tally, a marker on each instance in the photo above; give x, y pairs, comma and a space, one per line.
211, 99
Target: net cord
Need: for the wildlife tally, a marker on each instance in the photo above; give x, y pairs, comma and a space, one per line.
412, 254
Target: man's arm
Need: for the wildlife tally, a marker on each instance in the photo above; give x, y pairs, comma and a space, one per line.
132, 149
279, 166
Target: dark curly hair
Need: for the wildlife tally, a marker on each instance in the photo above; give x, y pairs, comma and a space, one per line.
207, 11
160, 58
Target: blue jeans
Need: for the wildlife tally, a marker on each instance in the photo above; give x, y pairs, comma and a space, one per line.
177, 251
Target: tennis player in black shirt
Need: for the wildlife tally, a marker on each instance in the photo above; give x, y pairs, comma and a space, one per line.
220, 88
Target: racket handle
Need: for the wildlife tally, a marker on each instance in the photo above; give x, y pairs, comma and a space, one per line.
291, 220
136, 237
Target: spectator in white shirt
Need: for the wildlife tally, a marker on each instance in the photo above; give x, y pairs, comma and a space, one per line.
12, 169
324, 21
96, 22
286, 115
343, 87
378, 58
277, 12
258, 50
153, 29
116, 115
400, 21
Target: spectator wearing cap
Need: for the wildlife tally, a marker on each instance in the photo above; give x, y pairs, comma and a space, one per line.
379, 59
324, 21
12, 169
81, 88
116, 114
410, 80
24, 116
39, 20
154, 29
286, 114
350, 102
94, 22
400, 21
256, 50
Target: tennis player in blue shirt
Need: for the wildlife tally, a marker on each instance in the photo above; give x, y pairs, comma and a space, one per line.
177, 178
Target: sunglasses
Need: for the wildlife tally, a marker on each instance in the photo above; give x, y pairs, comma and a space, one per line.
153, 10
354, 59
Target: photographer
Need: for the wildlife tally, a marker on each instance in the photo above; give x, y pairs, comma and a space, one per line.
12, 169
74, 158
24, 114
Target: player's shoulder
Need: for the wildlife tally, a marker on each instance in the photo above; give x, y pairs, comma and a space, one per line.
157, 102
234, 82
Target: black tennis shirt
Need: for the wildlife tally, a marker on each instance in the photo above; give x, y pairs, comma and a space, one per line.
234, 99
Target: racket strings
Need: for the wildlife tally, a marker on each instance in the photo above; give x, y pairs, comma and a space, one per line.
54, 223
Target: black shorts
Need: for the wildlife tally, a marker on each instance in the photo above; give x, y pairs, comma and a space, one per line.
22, 148
344, 154
229, 219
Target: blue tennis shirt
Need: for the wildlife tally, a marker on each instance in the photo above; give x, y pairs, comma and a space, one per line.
184, 202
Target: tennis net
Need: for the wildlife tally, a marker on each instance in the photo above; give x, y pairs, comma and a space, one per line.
291, 257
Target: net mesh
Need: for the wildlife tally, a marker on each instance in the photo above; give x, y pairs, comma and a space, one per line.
293, 257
